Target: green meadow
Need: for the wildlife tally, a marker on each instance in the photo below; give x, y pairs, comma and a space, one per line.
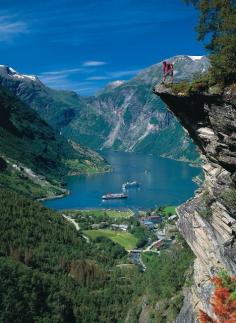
125, 239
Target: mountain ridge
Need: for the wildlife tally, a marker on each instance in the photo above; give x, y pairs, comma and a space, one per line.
125, 117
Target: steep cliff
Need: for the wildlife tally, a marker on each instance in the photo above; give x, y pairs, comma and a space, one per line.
208, 221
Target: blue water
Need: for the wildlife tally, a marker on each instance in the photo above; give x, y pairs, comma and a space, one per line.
163, 182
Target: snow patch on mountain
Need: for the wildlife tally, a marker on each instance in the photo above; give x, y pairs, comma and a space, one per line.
116, 84
195, 58
9, 72
12, 70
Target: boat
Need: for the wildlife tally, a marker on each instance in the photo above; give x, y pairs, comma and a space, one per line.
111, 196
130, 185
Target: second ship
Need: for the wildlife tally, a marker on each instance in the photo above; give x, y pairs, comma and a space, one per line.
125, 186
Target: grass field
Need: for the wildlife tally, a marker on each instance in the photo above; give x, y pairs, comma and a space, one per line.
125, 239
148, 257
108, 212
169, 209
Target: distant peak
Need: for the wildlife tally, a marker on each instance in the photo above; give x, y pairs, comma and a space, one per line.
7, 71
115, 84
110, 86
183, 57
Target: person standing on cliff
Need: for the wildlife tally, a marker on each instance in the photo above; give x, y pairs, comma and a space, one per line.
168, 70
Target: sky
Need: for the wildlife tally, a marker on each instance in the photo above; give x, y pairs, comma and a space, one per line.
82, 45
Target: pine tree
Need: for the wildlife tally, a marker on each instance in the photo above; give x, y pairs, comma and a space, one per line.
217, 25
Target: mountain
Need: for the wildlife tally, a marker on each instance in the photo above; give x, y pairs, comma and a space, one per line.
110, 86
124, 116
33, 158
140, 121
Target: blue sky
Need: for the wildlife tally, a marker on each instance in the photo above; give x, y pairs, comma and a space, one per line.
83, 45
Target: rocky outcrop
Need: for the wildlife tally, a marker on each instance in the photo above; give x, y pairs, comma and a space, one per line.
208, 221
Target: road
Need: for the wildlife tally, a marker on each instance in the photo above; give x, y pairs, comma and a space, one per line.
76, 225
135, 254
153, 244
147, 249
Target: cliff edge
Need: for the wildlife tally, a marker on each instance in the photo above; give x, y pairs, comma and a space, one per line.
208, 220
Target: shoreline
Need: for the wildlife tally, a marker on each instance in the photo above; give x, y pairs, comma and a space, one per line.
197, 164
53, 197
41, 199
88, 174
189, 162
100, 209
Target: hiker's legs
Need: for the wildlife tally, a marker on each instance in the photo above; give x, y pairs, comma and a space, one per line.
164, 78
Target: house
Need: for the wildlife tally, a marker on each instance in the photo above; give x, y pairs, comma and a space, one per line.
95, 226
100, 225
172, 217
121, 227
158, 244
155, 219
161, 234
150, 225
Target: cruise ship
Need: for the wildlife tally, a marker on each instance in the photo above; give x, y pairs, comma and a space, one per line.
111, 196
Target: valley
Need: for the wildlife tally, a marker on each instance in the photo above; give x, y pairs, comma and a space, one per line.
124, 116
98, 262
118, 161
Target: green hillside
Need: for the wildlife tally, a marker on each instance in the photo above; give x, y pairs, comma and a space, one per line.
50, 273
33, 158
179, 149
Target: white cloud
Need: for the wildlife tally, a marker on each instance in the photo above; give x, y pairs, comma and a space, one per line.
87, 84
85, 90
10, 27
59, 78
123, 73
51, 78
98, 78
114, 75
63, 72
94, 63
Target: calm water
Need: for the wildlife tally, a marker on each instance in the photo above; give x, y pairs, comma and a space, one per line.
163, 182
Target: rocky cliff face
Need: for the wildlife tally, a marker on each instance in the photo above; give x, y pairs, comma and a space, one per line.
208, 221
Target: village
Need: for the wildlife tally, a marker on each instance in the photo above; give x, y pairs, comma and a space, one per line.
137, 232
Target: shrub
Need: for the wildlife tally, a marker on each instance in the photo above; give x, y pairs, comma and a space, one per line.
205, 207
229, 199
223, 301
